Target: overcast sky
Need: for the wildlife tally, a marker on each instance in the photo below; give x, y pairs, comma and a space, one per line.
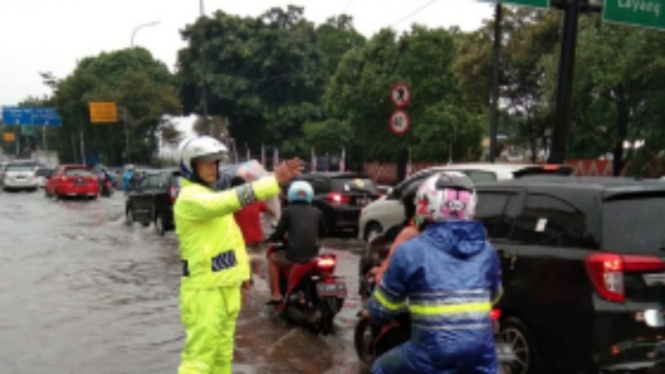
50, 35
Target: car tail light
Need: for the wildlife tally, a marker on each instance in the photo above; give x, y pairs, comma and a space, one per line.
337, 198
326, 263
606, 271
174, 194
550, 167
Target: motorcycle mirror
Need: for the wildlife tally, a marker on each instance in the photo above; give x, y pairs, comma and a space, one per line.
654, 318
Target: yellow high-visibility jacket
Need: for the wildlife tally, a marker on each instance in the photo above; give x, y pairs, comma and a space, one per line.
211, 244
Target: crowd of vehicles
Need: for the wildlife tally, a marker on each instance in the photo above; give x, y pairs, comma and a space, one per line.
582, 258
583, 270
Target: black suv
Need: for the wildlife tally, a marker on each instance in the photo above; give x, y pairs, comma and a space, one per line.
340, 196
152, 199
583, 270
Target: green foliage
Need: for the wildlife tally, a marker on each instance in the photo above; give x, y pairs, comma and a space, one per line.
139, 84
359, 93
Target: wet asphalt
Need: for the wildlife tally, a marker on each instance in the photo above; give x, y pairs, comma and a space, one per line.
83, 293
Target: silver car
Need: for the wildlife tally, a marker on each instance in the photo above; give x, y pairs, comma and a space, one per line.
19, 176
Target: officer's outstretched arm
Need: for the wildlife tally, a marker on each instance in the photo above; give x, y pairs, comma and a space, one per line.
205, 206
389, 298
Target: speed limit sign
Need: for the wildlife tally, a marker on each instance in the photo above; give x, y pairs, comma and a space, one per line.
400, 122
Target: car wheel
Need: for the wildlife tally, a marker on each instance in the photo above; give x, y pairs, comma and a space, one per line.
372, 231
129, 216
159, 224
521, 357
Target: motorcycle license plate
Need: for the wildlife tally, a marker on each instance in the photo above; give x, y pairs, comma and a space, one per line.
331, 289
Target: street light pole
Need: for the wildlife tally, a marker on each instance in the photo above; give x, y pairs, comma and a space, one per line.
140, 27
204, 95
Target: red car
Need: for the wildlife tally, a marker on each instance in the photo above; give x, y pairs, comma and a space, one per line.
72, 181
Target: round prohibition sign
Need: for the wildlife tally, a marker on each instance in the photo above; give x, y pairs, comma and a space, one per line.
400, 122
400, 95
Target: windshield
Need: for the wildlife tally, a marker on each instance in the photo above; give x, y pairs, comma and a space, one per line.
345, 185
635, 225
78, 172
20, 168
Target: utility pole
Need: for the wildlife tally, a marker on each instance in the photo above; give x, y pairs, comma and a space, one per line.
204, 95
565, 82
494, 115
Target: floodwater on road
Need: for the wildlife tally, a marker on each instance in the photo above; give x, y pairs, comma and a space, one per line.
83, 293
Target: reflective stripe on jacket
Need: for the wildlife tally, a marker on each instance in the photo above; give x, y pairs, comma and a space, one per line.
447, 278
211, 243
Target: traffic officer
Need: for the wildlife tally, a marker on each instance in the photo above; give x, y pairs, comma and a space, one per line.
214, 258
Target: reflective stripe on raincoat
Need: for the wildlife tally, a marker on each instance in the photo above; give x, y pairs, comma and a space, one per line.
447, 278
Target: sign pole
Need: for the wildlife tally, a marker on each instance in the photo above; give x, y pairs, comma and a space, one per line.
565, 83
44, 138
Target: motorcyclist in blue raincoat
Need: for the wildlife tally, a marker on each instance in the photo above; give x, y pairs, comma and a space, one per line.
447, 277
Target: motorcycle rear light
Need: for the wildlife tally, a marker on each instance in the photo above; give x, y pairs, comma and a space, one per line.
326, 263
337, 198
495, 314
606, 271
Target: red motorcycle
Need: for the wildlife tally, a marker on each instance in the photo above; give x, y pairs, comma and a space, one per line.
313, 295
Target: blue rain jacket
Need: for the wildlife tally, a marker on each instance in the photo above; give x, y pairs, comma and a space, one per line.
447, 277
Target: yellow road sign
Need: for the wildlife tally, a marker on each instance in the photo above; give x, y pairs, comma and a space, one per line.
103, 112
9, 136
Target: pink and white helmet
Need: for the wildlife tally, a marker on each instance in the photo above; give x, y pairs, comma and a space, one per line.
446, 196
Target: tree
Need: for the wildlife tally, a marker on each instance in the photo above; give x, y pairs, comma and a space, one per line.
359, 94
528, 34
618, 92
140, 85
335, 37
265, 74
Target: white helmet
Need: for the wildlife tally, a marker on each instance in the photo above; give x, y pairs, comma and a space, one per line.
200, 148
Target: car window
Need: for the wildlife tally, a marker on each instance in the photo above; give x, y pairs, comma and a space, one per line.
78, 172
478, 176
20, 168
550, 221
635, 225
497, 212
349, 185
320, 185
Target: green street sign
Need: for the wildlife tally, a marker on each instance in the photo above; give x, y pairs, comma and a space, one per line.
646, 13
27, 131
532, 3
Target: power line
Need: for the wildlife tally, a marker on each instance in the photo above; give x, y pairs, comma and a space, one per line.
414, 13
348, 5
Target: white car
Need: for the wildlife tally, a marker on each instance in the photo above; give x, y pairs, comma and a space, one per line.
388, 211
19, 175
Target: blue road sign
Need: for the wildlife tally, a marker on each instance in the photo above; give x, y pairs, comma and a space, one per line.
31, 116
48, 117
13, 115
